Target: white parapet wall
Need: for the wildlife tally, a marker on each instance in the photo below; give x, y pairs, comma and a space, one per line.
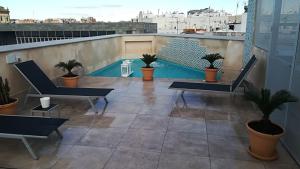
97, 52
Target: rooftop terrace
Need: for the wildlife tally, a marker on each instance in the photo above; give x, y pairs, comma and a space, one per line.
145, 124
144, 127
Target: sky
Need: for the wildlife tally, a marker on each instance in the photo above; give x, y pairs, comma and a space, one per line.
109, 10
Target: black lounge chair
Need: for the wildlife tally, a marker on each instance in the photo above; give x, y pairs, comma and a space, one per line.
192, 86
22, 127
43, 86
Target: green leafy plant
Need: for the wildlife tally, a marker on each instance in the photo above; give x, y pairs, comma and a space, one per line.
211, 58
68, 66
148, 59
4, 92
267, 104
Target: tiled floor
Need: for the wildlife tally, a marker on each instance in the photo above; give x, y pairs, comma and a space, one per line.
143, 128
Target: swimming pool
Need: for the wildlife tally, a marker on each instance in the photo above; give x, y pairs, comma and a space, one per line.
163, 69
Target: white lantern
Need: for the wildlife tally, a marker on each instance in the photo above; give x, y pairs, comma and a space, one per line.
126, 68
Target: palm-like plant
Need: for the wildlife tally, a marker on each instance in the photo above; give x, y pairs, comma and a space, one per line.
4, 92
211, 58
267, 103
148, 59
68, 66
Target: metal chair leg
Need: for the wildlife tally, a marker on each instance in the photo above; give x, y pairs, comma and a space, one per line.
58, 133
27, 96
25, 100
176, 102
105, 106
28, 147
105, 99
92, 105
183, 99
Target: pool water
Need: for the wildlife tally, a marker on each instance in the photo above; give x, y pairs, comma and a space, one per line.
163, 69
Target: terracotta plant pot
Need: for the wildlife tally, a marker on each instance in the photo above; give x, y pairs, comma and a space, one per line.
263, 146
71, 82
9, 109
148, 74
211, 75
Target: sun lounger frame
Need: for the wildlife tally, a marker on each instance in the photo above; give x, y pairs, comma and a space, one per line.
24, 137
33, 91
231, 87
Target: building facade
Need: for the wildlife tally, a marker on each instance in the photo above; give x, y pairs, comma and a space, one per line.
207, 20
172, 23
53, 20
24, 21
88, 20
4, 15
29, 33
238, 23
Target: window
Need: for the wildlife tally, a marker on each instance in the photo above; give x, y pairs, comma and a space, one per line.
101, 33
19, 34
263, 23
129, 32
59, 34
51, 34
110, 32
93, 33
35, 34
76, 33
27, 33
43, 34
68, 34
85, 34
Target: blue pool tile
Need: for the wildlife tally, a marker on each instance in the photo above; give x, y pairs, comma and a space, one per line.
163, 69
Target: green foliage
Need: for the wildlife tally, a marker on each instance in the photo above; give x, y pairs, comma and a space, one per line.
266, 102
4, 92
68, 66
148, 59
211, 58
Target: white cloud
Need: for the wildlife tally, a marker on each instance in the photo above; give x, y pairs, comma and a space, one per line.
111, 6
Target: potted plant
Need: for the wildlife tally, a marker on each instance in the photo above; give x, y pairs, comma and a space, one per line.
211, 71
70, 79
264, 134
8, 105
148, 69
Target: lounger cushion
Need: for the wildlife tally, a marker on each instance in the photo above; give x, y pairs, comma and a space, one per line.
30, 126
244, 72
200, 86
36, 76
80, 91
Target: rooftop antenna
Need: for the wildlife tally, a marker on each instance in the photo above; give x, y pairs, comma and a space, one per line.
237, 6
209, 18
245, 7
